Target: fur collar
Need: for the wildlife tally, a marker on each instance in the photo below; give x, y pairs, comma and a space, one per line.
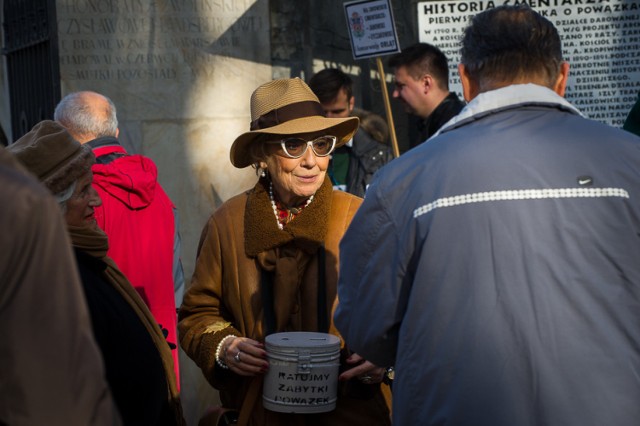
307, 230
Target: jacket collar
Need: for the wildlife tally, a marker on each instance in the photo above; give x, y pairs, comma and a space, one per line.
103, 141
509, 97
307, 230
106, 145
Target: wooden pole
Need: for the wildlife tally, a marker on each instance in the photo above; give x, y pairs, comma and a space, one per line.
387, 108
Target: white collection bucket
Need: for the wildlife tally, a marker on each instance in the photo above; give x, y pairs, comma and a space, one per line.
303, 372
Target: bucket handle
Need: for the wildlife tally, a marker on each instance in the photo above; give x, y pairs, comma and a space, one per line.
304, 362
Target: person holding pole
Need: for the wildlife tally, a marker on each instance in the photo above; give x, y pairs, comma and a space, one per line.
353, 165
421, 74
496, 266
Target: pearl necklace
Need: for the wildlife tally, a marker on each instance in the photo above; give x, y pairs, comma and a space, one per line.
294, 210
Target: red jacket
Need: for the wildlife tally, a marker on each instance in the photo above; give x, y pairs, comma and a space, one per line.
138, 217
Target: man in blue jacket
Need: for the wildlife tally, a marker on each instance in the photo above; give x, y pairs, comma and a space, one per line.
496, 266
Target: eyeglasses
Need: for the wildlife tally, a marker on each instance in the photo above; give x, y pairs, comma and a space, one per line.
297, 147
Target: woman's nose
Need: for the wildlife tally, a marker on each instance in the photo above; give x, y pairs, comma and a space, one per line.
309, 158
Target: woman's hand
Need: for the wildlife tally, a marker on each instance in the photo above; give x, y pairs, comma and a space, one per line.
365, 371
245, 356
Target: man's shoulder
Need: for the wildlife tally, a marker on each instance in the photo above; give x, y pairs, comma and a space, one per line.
417, 165
450, 106
108, 150
365, 139
363, 143
133, 180
134, 165
588, 128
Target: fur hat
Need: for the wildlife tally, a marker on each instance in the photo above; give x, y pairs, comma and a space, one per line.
287, 107
53, 155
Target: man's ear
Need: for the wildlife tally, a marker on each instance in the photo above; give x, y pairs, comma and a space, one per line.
470, 87
117, 132
352, 102
427, 82
561, 81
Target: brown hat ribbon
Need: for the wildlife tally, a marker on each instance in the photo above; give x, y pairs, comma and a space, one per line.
287, 113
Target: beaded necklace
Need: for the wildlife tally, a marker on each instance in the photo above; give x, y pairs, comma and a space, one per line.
283, 214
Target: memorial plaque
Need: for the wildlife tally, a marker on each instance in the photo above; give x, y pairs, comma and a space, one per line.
180, 73
600, 39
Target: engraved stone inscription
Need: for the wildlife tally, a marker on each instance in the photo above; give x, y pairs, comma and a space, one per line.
152, 40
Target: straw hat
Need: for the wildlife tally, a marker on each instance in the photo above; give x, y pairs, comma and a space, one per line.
287, 107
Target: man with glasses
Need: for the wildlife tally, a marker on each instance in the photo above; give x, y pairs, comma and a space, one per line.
353, 165
421, 74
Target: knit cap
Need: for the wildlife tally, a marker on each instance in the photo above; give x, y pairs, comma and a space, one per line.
53, 155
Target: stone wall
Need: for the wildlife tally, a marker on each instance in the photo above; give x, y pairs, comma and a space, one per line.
180, 73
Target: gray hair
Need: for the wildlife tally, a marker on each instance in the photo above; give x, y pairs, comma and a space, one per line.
62, 196
82, 120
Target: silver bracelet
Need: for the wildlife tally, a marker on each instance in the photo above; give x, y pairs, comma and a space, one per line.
219, 360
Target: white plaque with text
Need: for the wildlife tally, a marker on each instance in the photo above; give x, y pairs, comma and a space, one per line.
371, 28
600, 40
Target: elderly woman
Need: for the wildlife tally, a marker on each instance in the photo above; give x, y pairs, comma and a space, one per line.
138, 362
267, 261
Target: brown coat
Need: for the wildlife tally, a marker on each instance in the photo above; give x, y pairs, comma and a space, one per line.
51, 371
225, 297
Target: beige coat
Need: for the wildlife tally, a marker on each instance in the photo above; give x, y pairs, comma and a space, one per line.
225, 297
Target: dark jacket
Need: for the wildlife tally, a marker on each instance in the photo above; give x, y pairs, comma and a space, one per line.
366, 156
448, 108
496, 267
134, 369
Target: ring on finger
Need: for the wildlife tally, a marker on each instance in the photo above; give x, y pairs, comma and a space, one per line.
366, 379
237, 356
